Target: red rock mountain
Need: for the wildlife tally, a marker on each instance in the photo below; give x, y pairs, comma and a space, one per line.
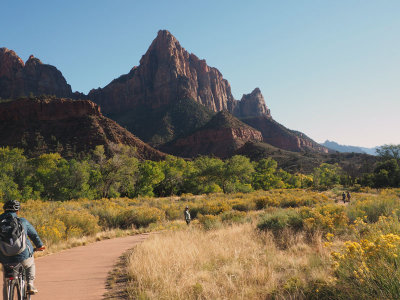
168, 73
18, 79
149, 100
41, 125
221, 136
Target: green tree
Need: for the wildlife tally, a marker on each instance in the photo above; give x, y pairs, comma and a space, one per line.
175, 172
387, 174
150, 174
45, 178
236, 175
206, 172
14, 175
73, 180
389, 151
326, 176
116, 175
264, 177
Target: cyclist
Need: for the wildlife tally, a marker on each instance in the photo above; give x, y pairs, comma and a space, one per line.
26, 256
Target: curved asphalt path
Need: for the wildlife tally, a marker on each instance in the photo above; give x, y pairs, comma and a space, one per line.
80, 273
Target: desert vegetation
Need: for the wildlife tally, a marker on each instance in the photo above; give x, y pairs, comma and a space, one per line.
296, 245
258, 232
120, 174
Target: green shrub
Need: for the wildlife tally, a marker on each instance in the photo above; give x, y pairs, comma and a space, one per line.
209, 222
79, 223
233, 217
173, 212
141, 216
242, 205
213, 207
280, 219
373, 208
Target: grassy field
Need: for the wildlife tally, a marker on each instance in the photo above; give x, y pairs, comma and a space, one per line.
286, 244
279, 244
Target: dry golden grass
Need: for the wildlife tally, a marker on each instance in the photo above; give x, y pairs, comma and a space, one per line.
234, 262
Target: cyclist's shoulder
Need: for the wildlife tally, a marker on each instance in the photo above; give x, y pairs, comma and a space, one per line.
23, 220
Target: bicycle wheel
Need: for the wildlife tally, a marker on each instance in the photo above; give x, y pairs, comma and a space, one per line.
14, 293
24, 285
25, 295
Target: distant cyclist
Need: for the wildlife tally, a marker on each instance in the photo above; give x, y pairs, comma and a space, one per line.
15, 247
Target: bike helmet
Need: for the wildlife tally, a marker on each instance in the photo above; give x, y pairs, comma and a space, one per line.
12, 205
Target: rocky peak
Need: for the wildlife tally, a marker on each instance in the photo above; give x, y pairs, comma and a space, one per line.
10, 63
167, 73
164, 42
252, 105
18, 79
32, 61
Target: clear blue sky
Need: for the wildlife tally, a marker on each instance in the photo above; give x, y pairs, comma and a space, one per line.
328, 68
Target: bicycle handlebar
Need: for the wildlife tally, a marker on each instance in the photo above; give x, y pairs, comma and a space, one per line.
39, 249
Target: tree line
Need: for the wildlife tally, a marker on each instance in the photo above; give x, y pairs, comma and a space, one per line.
95, 176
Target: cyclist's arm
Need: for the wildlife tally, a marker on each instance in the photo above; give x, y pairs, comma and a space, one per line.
33, 235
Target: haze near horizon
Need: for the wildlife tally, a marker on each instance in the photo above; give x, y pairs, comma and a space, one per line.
326, 68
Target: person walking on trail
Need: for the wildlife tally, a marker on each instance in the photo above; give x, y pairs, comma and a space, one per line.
187, 215
344, 197
348, 197
17, 230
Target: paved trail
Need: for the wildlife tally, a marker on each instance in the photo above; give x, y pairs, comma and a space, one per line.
80, 273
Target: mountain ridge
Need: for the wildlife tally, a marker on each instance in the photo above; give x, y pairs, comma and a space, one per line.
145, 100
167, 69
347, 148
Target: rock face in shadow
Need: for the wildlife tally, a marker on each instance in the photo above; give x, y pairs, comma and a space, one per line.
32, 78
279, 136
41, 125
47, 109
221, 136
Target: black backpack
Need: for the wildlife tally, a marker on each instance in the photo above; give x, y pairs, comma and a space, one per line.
12, 235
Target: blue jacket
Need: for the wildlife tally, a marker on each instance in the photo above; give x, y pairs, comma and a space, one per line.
28, 252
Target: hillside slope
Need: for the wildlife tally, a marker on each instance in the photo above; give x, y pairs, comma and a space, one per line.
41, 125
220, 137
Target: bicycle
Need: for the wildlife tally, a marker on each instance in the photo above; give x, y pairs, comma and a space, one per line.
15, 280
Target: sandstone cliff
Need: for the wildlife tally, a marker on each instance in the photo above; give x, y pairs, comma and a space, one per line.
41, 125
221, 136
168, 73
32, 78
